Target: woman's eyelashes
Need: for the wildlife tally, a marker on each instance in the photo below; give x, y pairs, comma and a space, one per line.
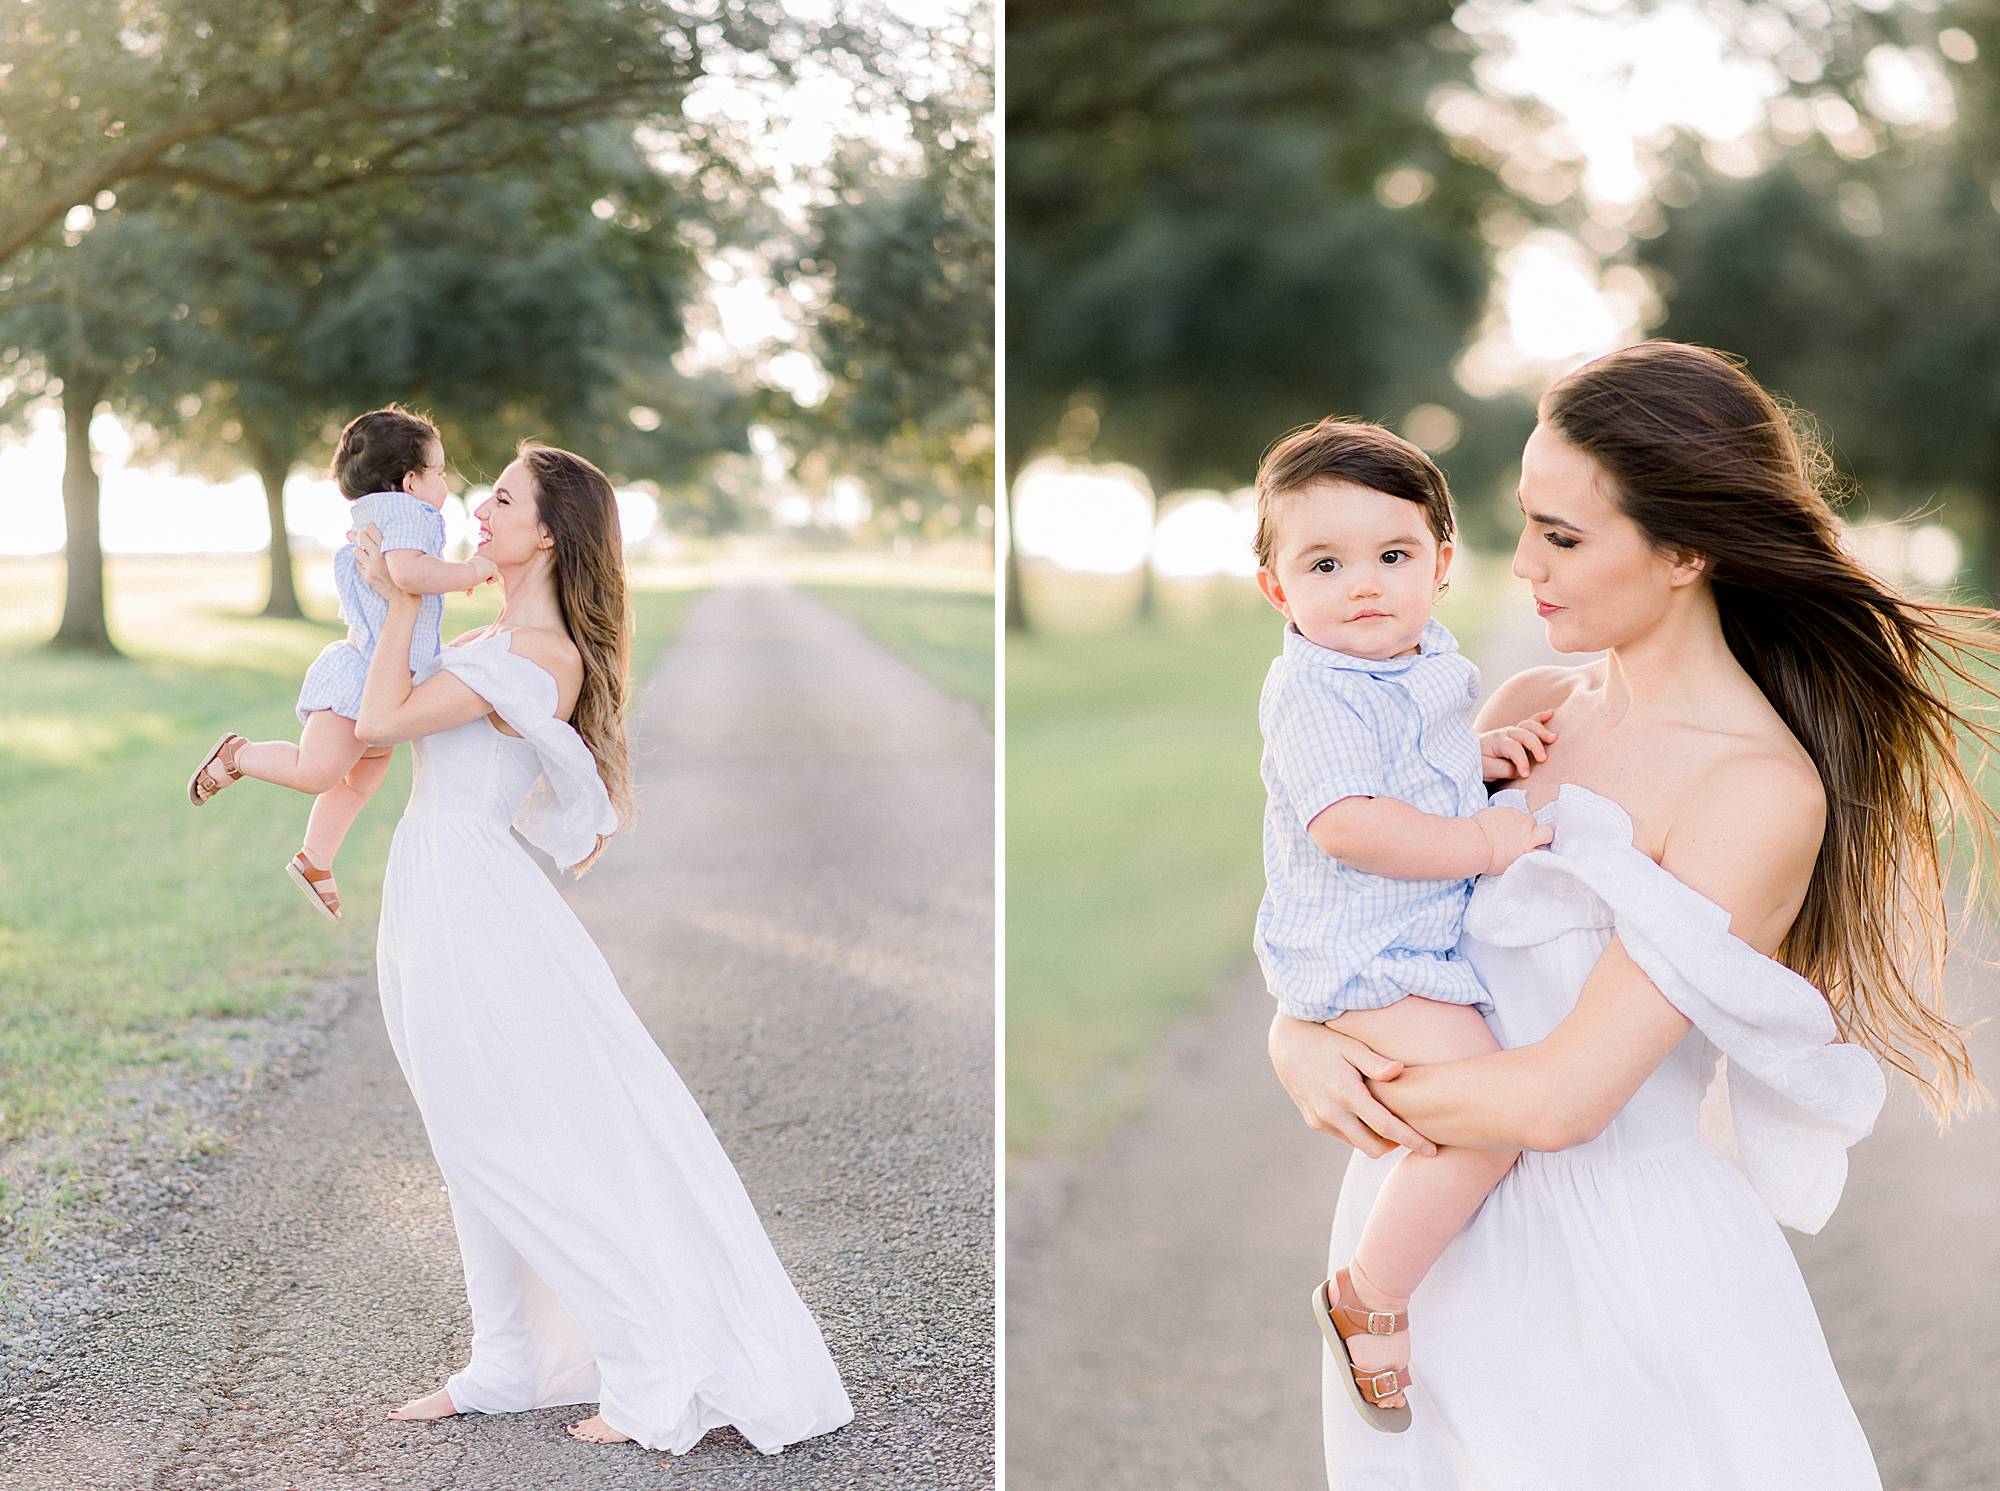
1558, 540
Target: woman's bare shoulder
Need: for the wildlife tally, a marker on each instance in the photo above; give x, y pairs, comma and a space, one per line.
1533, 690
551, 647
1746, 832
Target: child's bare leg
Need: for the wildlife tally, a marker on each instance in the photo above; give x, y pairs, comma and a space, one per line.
1426, 1198
334, 810
326, 752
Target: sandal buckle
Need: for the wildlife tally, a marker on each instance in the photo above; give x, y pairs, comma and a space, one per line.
1386, 1328
1373, 1382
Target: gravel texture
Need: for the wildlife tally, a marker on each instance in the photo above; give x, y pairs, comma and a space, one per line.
803, 917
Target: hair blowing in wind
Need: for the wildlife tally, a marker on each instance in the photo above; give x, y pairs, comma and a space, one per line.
1880, 688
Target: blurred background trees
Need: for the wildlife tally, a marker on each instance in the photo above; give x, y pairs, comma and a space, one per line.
1225, 220
233, 237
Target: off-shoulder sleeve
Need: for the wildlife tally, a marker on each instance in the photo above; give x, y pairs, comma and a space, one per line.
567, 808
1797, 1098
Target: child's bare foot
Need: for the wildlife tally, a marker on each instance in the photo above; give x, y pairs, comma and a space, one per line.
596, 1431
437, 1405
1378, 1353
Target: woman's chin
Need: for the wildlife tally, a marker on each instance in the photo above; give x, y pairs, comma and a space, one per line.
1563, 635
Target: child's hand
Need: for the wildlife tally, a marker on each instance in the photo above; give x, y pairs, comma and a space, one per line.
488, 572
1510, 833
1506, 752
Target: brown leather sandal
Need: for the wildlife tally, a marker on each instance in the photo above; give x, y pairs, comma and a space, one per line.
1337, 1321
309, 878
199, 788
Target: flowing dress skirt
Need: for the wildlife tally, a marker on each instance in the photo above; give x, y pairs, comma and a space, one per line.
611, 1253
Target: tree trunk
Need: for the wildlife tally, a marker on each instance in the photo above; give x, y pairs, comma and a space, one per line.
1148, 609
1017, 610
83, 627
272, 469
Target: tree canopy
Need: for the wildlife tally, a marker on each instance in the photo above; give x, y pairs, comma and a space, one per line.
1228, 219
275, 100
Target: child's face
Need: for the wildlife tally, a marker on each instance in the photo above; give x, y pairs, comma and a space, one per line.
427, 485
1354, 569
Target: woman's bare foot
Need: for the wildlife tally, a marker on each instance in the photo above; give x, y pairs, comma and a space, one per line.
596, 1431
437, 1405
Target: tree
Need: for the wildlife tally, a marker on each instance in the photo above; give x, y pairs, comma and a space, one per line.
899, 260
273, 100
495, 331
1860, 277
1225, 220
1870, 297
89, 324
336, 115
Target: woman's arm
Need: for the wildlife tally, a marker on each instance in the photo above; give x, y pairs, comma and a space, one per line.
391, 710
1322, 1071
1750, 848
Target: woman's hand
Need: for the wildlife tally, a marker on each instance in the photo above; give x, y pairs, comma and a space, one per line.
1323, 1072
369, 562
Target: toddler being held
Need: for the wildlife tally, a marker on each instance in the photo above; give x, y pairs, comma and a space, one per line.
1375, 826
389, 463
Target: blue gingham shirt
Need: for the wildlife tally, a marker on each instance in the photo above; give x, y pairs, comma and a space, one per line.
1332, 938
339, 675
407, 523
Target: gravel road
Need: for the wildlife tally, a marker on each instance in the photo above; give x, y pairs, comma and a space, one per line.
803, 917
1157, 1332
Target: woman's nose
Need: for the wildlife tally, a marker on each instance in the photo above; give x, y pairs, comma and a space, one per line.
1524, 568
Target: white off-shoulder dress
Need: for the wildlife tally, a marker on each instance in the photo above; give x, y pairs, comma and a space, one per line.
611, 1253
1625, 1315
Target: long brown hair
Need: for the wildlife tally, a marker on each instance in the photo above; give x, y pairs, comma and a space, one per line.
1707, 463
575, 502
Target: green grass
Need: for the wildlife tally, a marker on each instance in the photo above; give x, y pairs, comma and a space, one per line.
137, 933
1134, 860
945, 634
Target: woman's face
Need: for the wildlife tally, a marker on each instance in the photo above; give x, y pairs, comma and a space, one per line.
510, 530
1597, 581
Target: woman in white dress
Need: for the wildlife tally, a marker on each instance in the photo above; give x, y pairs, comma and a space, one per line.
1744, 792
611, 1254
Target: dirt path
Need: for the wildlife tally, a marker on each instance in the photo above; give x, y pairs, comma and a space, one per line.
1157, 1335
803, 917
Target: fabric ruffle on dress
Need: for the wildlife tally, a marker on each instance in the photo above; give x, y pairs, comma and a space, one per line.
568, 807
1798, 1098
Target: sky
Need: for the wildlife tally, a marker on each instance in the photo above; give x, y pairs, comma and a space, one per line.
742, 324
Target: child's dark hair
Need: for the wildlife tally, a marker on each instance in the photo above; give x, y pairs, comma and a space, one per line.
379, 448
1347, 450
